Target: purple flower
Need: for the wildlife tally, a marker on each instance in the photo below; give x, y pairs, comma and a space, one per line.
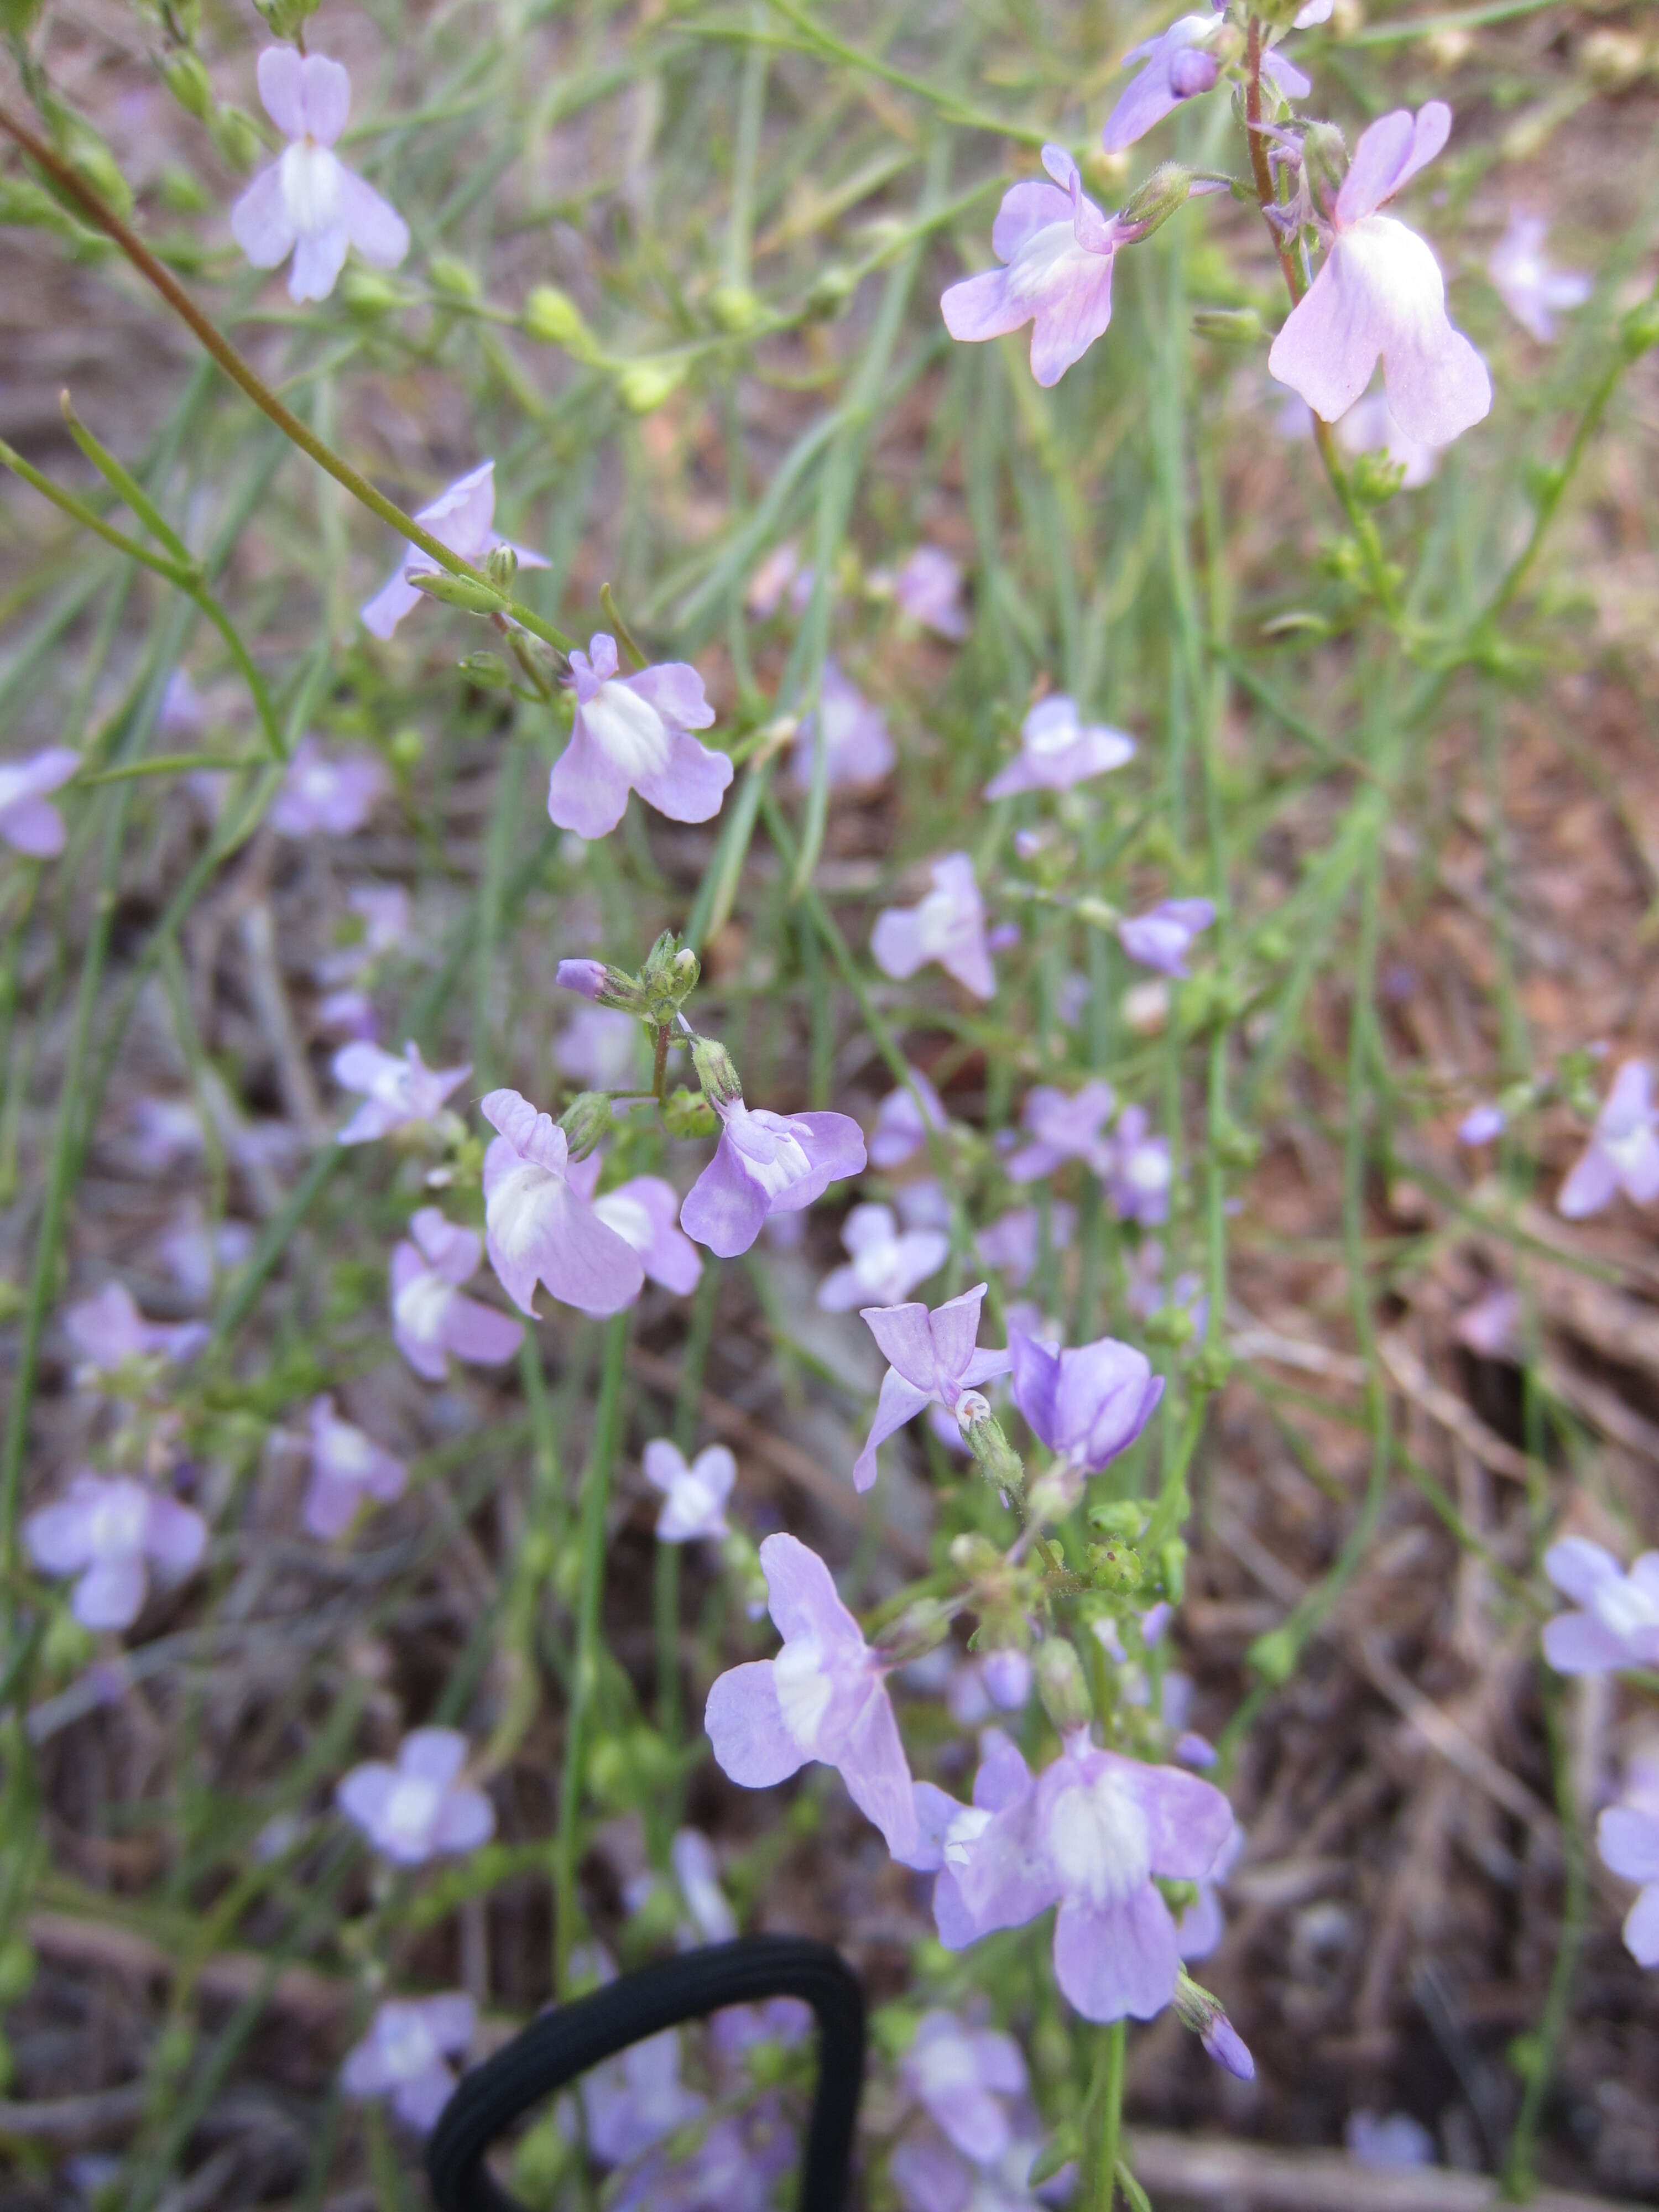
904, 1118
104, 1532
633, 732
959, 2076
182, 713
1202, 1925
1627, 1839
933, 1359
585, 977
857, 747
1013, 1242
1063, 1126
696, 1872
108, 1330
192, 1252
928, 589
1140, 1173
430, 1317
1089, 1405
948, 926
347, 1468
420, 1808
1057, 749
1379, 292
1178, 66
1521, 275
1618, 1622
1623, 1152
308, 204
644, 1213
29, 823
1059, 248
1481, 1124
325, 797
1387, 2141
1161, 937
348, 1014
463, 519
598, 1045
632, 2101
1491, 1328
404, 2055
885, 1266
694, 1498
1090, 1835
163, 1132
539, 1226
396, 1091
823, 1696
765, 1164
383, 910
997, 1681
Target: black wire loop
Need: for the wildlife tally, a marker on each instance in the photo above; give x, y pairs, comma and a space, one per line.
566, 2041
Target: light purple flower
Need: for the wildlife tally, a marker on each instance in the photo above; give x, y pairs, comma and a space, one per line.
933, 1359
182, 713
644, 1213
322, 797
1059, 248
1521, 275
1090, 1835
1627, 1839
780, 572
419, 1809
348, 1013
163, 1132
1617, 1623
396, 1090
585, 977
885, 1267
1623, 1152
1162, 936
598, 1045
1369, 427
928, 589
1387, 2141
696, 1872
1057, 749
383, 910
308, 203
1089, 1405
1481, 1124
1178, 66
1491, 1328
463, 517
995, 1681
948, 926
632, 2101
1202, 1925
767, 1163
858, 749
431, 1317
193, 1253
108, 1531
904, 1118
539, 1225
404, 2055
823, 1696
1140, 1173
633, 732
1063, 1126
108, 1329
1012, 1244
694, 1496
1379, 292
959, 2076
29, 823
347, 1469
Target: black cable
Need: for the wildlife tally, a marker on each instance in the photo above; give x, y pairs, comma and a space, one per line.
569, 2038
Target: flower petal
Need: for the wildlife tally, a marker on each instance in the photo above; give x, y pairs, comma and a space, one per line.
586, 791
878, 1775
724, 1207
745, 1727
1116, 1960
900, 1401
692, 785
373, 225
260, 222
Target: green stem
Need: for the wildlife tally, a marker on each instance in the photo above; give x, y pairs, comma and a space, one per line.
1106, 2099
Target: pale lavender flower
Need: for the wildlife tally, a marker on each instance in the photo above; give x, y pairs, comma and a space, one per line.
858, 749
1369, 427
1623, 1152
933, 1359
1202, 1925
948, 926
1387, 2141
1058, 249
632, 2101
1162, 936
694, 1496
633, 732
108, 1329
322, 797
1057, 748
885, 1267
1063, 1126
585, 977
383, 910
902, 1121
1089, 1405
397, 1091
1379, 292
308, 203
1491, 1328
463, 517
644, 1213
348, 1013
1534, 293
29, 823
431, 1317
161, 1132
960, 2076
923, 1205
1140, 1173
420, 1808
1146, 1292
1012, 1244
539, 1225
1481, 1124
109, 1531
929, 2176
823, 1696
192, 1252
780, 572
405, 2056
696, 1871
765, 1164
1617, 1623
928, 589
599, 1046
1176, 66
347, 1469
1090, 1835
1627, 1840
182, 713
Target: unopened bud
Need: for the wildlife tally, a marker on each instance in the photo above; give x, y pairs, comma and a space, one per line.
586, 1121
501, 565
459, 592
366, 291
689, 1114
1053, 1496
236, 137
735, 307
445, 274
487, 670
1115, 1567
918, 1629
1229, 325
1640, 328
1124, 1516
1192, 71
974, 1555
645, 384
1163, 191
1060, 1685
1205, 2015
716, 1072
606, 985
999, 1462
1325, 162
188, 81
1007, 1676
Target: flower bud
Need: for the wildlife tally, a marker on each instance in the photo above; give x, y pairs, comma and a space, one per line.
606, 985
553, 317
1192, 71
445, 274
1124, 1516
645, 384
999, 1462
1229, 325
1060, 1685
1007, 1674
918, 1628
716, 1072
1163, 191
736, 308
487, 670
1053, 1495
1196, 2009
1325, 163
688, 1113
586, 1122
365, 291
974, 1555
459, 592
1116, 1566
501, 565
188, 81
1640, 328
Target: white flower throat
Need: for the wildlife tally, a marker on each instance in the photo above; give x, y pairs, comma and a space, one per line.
1098, 1840
803, 1688
419, 1306
310, 187
629, 728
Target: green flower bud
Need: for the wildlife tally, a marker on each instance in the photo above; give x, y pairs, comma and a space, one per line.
459, 592
501, 565
1060, 1685
716, 1072
736, 308
1229, 325
487, 670
406, 747
553, 317
1125, 1517
688, 1113
999, 1462
1172, 1557
1274, 1657
1325, 159
188, 81
644, 385
1115, 1567
1640, 328
447, 275
918, 1630
586, 1122
369, 292
1157, 199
